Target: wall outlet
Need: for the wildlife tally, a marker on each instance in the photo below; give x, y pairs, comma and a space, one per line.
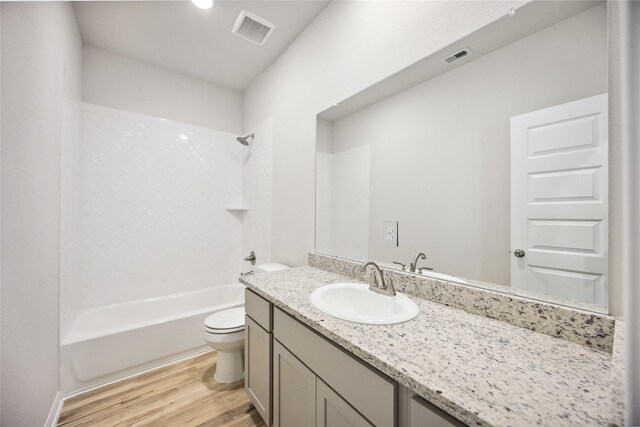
391, 233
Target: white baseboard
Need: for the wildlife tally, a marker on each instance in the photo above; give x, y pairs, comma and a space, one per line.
54, 413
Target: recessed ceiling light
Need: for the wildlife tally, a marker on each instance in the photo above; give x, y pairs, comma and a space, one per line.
204, 4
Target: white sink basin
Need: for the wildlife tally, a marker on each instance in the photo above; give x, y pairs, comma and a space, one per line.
356, 303
442, 276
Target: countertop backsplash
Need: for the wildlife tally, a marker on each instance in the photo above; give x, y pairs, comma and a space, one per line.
587, 328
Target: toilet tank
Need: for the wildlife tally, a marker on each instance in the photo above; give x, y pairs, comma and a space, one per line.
269, 267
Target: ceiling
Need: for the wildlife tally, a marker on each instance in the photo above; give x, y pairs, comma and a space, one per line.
181, 37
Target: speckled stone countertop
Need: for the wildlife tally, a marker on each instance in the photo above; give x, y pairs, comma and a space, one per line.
617, 377
481, 371
587, 328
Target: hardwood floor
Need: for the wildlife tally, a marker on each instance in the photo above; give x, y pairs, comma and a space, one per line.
182, 394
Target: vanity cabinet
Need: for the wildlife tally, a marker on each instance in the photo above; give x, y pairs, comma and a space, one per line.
333, 411
421, 413
300, 398
367, 390
294, 390
258, 344
298, 378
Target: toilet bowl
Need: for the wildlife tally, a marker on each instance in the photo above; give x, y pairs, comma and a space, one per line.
224, 332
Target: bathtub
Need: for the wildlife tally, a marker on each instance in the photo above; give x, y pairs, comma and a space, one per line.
116, 341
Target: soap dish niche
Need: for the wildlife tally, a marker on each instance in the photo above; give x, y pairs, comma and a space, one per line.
237, 208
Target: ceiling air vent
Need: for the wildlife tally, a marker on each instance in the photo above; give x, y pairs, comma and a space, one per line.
458, 55
253, 28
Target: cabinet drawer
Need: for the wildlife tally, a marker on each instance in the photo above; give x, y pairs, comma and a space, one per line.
368, 391
258, 308
424, 414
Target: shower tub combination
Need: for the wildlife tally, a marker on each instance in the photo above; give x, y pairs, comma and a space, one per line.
112, 342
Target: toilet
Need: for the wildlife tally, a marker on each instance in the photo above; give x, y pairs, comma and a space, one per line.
224, 332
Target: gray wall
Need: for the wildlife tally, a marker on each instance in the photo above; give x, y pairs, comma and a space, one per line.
131, 85
324, 180
624, 175
37, 39
440, 151
0, 220
343, 51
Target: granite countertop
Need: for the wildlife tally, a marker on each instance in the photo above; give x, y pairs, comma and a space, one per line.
481, 371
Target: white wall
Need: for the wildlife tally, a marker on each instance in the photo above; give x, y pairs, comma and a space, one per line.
71, 250
131, 85
440, 151
38, 41
256, 195
344, 50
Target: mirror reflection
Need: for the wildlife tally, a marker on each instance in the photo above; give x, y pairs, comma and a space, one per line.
485, 164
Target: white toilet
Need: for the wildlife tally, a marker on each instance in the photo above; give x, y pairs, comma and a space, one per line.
224, 332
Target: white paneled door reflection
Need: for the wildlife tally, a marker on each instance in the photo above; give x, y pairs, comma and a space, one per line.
559, 209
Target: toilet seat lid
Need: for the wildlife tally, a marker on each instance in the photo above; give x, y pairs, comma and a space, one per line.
226, 320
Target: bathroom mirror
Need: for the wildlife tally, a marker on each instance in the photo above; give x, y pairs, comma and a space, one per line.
489, 156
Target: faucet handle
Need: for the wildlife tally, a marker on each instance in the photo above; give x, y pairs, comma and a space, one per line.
389, 287
367, 278
375, 281
251, 258
376, 273
425, 268
403, 266
381, 284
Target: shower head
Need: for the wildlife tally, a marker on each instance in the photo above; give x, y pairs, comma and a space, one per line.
244, 140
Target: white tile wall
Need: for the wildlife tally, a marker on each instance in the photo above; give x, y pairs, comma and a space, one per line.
343, 183
350, 196
257, 194
324, 202
152, 202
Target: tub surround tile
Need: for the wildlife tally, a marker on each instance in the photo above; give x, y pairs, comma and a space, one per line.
152, 194
482, 371
582, 327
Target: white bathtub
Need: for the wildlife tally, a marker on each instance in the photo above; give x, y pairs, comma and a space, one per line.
115, 341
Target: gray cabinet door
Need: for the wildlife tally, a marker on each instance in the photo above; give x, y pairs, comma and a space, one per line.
294, 390
333, 411
257, 367
370, 392
424, 414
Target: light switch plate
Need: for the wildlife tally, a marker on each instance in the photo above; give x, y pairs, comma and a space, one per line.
391, 233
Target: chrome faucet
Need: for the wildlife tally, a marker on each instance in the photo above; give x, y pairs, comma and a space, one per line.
403, 266
379, 286
414, 265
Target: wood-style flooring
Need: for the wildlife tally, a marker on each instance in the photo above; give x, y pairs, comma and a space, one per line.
181, 394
